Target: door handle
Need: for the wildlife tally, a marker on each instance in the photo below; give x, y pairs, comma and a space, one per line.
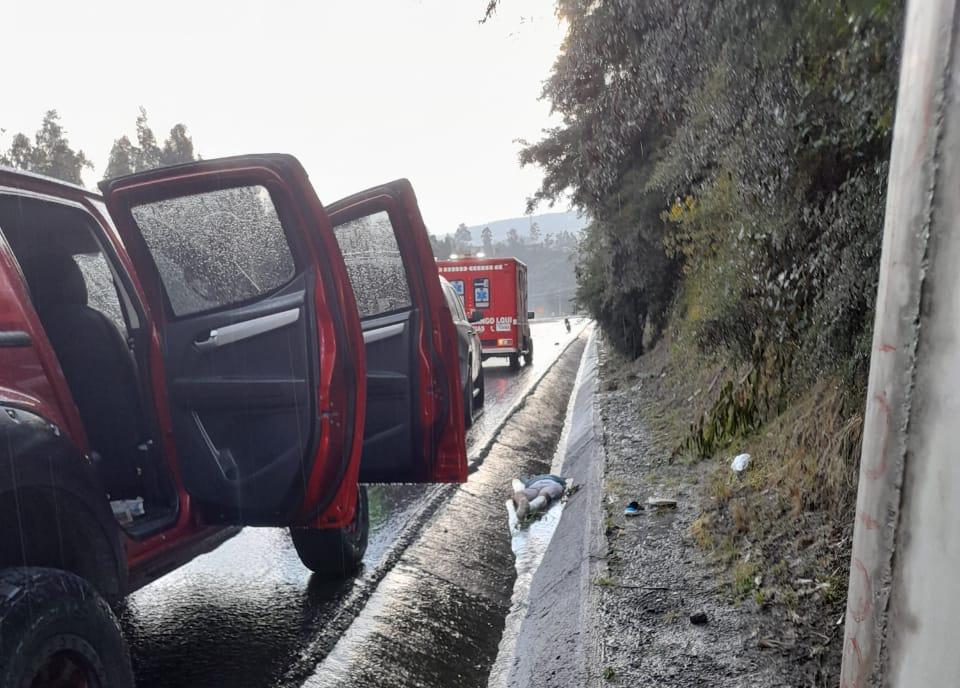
14, 338
237, 332
209, 343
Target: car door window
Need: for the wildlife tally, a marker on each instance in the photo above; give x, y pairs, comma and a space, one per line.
216, 248
459, 314
379, 280
101, 290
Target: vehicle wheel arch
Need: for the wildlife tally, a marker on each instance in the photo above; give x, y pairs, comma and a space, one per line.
57, 511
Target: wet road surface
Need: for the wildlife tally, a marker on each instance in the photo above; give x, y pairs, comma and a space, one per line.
249, 614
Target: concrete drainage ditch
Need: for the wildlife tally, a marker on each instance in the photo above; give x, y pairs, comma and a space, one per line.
437, 618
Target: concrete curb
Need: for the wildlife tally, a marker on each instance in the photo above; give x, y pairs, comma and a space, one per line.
557, 644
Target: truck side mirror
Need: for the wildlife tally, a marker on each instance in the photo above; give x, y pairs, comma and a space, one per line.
475, 316
531, 315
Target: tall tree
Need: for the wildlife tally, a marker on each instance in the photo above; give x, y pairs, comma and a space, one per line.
487, 236
534, 233
148, 152
462, 236
513, 238
50, 152
442, 248
126, 158
19, 154
178, 148
123, 158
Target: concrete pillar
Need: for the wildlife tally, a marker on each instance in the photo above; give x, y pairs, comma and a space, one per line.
903, 606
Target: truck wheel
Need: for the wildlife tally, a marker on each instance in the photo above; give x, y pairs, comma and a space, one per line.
528, 357
58, 633
481, 394
515, 361
335, 553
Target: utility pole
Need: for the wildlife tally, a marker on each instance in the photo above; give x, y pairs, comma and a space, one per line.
903, 607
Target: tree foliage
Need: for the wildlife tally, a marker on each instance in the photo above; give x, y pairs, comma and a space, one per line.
127, 158
48, 153
487, 236
733, 155
462, 236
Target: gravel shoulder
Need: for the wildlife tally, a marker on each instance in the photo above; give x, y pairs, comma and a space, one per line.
654, 585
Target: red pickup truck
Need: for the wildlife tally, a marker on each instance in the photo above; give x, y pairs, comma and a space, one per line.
202, 347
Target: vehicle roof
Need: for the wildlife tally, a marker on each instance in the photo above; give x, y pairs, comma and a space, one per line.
31, 181
473, 260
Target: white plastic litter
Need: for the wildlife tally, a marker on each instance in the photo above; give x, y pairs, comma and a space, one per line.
740, 463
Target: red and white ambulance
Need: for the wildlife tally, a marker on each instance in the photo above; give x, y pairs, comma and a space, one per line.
497, 287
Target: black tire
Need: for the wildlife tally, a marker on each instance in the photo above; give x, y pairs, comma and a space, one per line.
482, 393
57, 632
528, 357
515, 361
335, 553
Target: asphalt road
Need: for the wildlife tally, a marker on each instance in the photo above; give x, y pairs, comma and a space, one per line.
248, 612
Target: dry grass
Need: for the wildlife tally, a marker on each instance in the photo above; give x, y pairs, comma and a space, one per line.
740, 516
701, 530
817, 444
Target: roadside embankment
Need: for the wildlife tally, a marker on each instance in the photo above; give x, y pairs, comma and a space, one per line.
643, 599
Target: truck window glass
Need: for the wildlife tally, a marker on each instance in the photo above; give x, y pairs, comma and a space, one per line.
216, 248
370, 251
457, 305
481, 292
101, 291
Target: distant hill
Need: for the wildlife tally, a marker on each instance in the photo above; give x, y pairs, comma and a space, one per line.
549, 223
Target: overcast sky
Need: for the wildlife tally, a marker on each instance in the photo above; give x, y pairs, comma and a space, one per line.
361, 91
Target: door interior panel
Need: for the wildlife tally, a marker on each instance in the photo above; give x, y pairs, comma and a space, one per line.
388, 431
241, 401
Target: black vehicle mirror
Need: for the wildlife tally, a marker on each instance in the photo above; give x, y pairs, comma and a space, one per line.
475, 316
531, 315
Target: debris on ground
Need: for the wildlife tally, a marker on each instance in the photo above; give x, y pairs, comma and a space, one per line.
698, 618
671, 569
661, 503
740, 463
633, 509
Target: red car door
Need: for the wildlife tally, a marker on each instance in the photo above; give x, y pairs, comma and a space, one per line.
414, 428
260, 336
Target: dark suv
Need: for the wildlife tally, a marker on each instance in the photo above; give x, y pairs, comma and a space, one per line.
470, 354
204, 347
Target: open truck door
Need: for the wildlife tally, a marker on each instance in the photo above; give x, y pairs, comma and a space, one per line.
261, 363
414, 422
